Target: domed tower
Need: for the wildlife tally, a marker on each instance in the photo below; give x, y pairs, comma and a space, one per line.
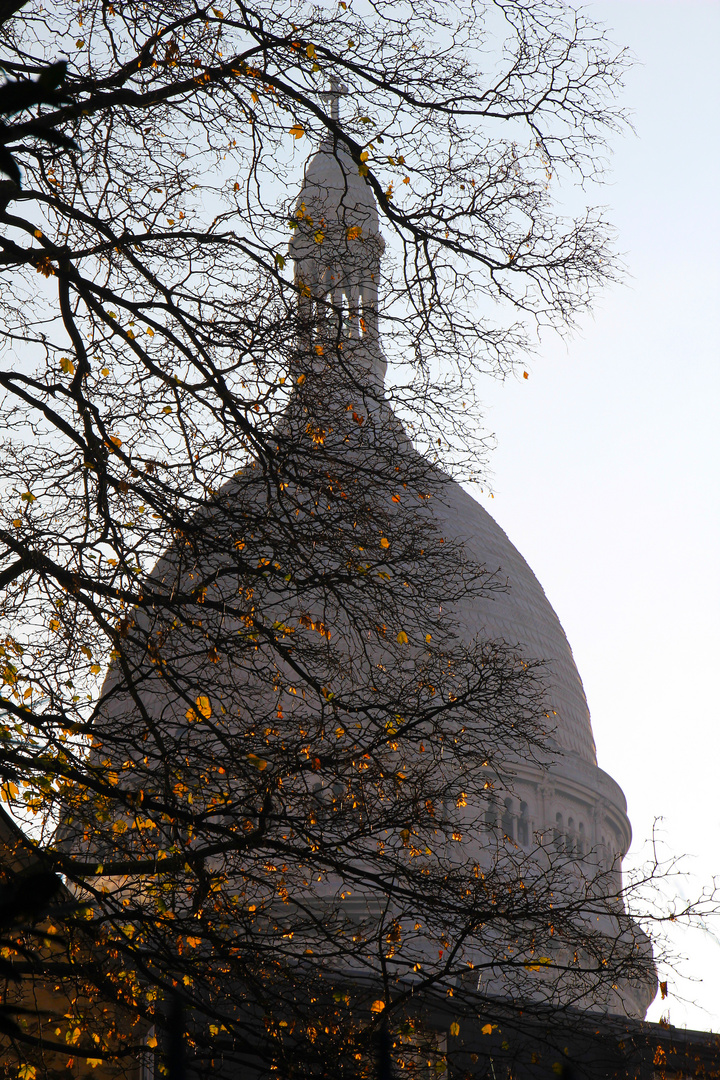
336, 248
565, 799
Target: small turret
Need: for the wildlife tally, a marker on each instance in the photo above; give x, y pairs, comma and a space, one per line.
337, 248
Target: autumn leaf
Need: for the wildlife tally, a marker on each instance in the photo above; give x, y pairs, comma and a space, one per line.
377, 1006
538, 964
489, 1028
384, 542
297, 131
310, 50
202, 709
402, 638
67, 365
259, 763
454, 1028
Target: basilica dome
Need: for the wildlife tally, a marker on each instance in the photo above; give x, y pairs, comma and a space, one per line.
567, 798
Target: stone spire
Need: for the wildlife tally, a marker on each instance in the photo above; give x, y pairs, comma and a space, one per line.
336, 248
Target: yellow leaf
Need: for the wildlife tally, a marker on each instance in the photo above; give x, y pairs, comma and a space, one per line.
354, 232
202, 709
67, 365
297, 131
17, 522
54, 625
236, 186
455, 1028
489, 1028
105, 371
364, 156
152, 1042
258, 762
95, 668
402, 638
150, 332
538, 964
167, 409
525, 375
94, 1062
27, 1072
377, 1006
428, 637
384, 542
310, 50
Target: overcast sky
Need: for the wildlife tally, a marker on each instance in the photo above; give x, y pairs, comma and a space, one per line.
605, 475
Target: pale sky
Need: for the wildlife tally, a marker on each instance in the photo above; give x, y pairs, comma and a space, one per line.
605, 474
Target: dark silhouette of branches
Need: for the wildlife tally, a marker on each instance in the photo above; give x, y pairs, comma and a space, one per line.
241, 713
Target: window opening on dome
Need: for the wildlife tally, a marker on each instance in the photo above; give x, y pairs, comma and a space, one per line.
581, 840
523, 830
508, 822
558, 837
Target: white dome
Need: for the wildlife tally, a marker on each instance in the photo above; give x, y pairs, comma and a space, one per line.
521, 615
334, 190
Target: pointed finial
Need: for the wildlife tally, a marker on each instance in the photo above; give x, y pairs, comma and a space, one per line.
333, 95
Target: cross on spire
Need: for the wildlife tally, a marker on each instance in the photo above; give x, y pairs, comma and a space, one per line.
333, 95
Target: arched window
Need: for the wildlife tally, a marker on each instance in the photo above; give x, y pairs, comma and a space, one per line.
581, 840
491, 813
570, 837
508, 820
523, 826
558, 836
